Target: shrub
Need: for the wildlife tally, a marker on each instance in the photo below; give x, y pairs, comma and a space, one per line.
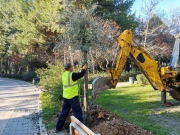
51, 80
142, 79
29, 76
17, 76
125, 76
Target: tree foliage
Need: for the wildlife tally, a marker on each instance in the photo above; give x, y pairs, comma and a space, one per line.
115, 10
118, 11
29, 22
88, 33
28, 27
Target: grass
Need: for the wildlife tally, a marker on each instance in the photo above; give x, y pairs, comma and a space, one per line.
49, 108
135, 104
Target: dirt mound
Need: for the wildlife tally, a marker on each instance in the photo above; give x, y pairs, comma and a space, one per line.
105, 123
118, 127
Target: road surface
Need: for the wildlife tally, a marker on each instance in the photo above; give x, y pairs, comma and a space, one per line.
18, 108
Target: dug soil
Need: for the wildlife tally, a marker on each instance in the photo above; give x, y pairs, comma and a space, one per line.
105, 123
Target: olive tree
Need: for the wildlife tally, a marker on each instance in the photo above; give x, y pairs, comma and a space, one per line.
92, 35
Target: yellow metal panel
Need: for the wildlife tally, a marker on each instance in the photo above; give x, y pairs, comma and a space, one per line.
125, 43
149, 67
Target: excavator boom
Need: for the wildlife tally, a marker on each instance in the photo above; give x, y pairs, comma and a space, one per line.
102, 83
148, 66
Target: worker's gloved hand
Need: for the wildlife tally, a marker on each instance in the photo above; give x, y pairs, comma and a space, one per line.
85, 67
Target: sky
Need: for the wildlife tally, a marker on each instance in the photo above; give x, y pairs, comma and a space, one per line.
164, 5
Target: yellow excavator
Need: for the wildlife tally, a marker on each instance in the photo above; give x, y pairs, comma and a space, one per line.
166, 79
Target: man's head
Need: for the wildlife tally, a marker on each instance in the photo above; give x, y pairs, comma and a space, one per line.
68, 67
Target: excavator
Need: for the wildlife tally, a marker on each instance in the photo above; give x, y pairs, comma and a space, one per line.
166, 79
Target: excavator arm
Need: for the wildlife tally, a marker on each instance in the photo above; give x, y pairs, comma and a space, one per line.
125, 42
102, 83
157, 76
148, 66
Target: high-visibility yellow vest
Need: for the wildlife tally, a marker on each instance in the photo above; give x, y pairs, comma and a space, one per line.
70, 87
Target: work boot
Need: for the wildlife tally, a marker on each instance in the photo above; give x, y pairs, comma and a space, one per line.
57, 130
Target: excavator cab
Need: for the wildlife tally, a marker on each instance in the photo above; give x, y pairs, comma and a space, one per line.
165, 79
175, 58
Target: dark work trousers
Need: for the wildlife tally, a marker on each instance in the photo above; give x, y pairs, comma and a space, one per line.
67, 105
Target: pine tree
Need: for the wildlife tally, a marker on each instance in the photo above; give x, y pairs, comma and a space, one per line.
118, 11
115, 10
26, 26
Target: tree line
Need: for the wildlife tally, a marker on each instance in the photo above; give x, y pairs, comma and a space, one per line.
36, 33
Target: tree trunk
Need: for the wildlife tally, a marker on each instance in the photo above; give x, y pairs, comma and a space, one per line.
85, 91
64, 57
71, 56
55, 53
15, 69
2, 65
20, 70
7, 66
71, 59
146, 34
92, 62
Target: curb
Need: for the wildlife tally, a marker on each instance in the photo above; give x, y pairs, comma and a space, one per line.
42, 128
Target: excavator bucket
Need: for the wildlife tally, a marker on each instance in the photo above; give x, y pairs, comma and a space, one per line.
99, 84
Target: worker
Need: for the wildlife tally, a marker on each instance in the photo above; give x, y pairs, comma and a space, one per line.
70, 95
